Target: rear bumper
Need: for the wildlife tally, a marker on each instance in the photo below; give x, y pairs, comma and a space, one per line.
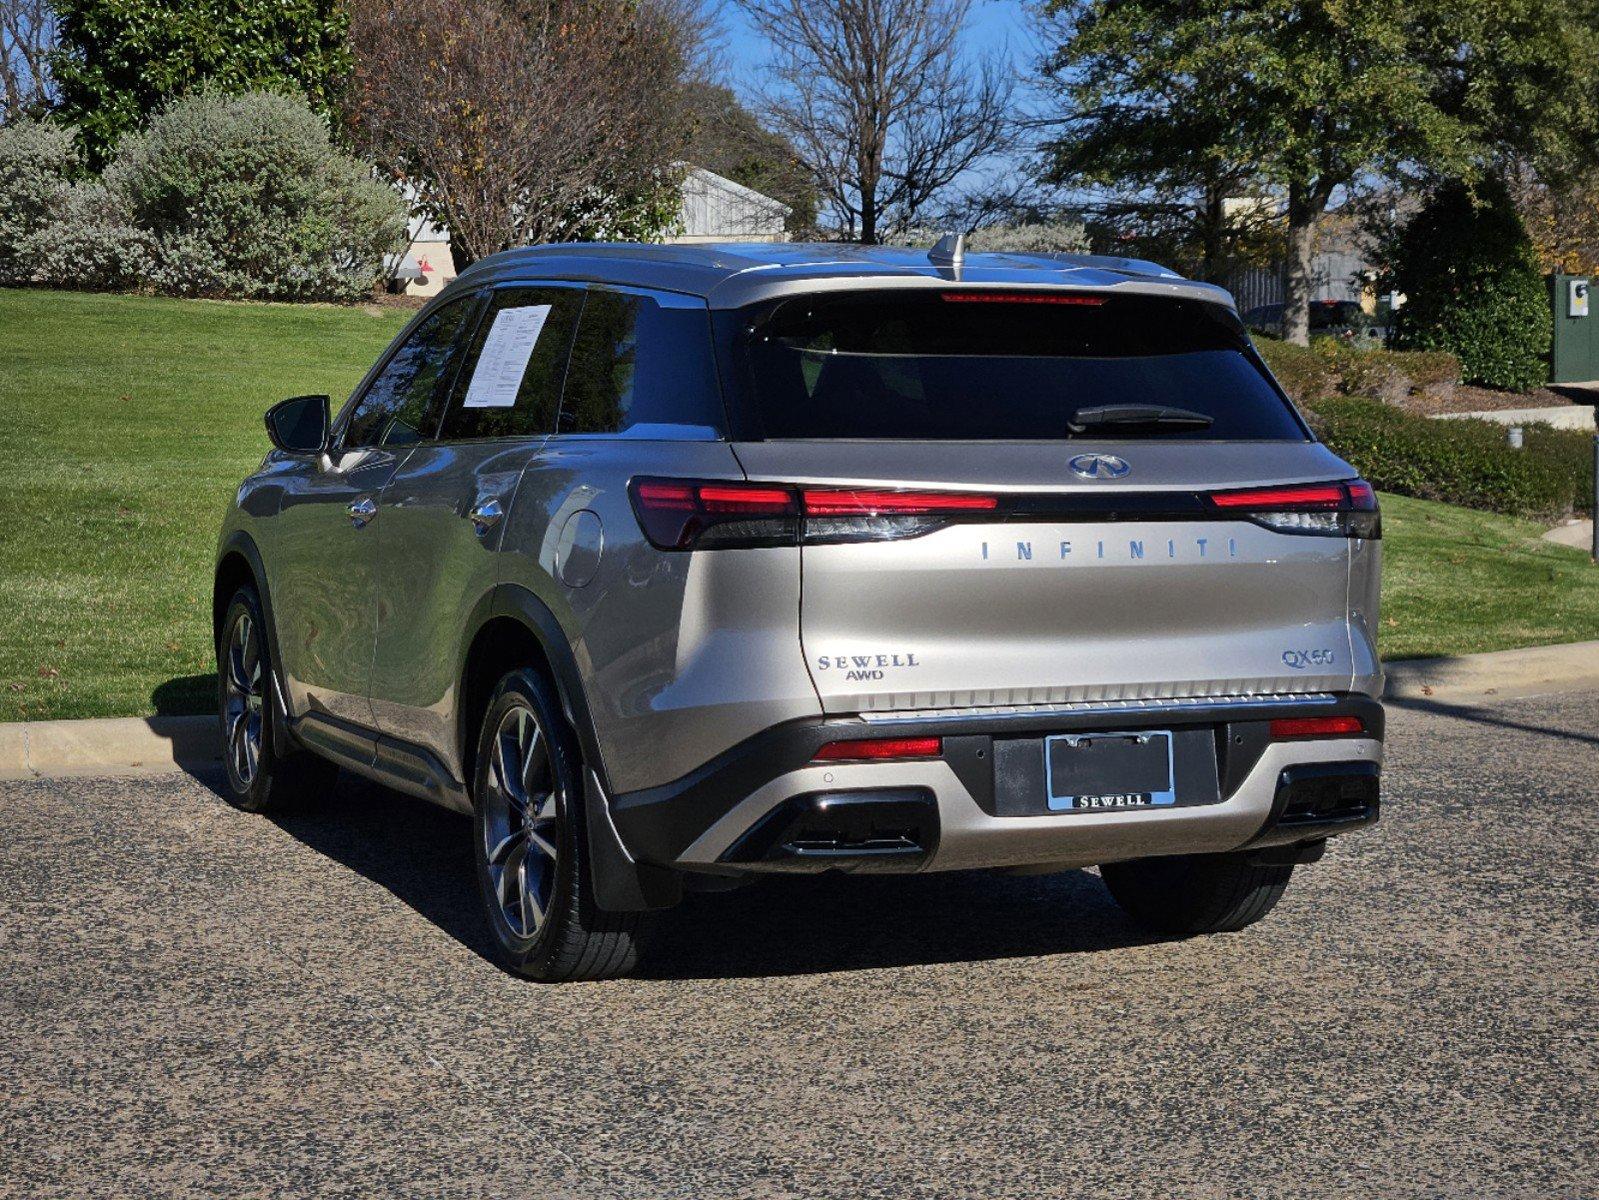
766, 806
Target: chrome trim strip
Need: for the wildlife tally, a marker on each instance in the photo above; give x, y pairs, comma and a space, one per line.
1223, 704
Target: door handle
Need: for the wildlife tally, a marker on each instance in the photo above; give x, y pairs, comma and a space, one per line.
361, 511
485, 516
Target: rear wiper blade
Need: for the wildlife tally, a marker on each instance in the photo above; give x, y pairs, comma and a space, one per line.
1124, 415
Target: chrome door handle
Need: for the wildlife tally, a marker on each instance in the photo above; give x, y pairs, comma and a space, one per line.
485, 516
361, 511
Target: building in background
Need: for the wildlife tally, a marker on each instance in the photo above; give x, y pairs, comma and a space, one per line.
715, 209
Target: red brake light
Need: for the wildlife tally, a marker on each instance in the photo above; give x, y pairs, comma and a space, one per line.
858, 502
1312, 727
1316, 495
1022, 298
881, 748
740, 499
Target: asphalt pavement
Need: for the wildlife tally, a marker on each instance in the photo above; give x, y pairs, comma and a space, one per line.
194, 1001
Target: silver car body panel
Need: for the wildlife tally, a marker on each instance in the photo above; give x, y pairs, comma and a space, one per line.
684, 656
970, 837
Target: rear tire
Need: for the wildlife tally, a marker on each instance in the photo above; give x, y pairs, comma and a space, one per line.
530, 847
262, 775
1197, 893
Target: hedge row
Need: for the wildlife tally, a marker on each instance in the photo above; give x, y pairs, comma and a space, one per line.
1330, 368
1465, 462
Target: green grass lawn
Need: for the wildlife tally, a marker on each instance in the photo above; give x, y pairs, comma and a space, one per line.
125, 423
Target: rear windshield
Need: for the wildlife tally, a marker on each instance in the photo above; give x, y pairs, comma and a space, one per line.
979, 365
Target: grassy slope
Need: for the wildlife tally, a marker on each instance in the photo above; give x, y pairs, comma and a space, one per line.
125, 423
1458, 581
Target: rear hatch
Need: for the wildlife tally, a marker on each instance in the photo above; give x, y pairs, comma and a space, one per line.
1048, 497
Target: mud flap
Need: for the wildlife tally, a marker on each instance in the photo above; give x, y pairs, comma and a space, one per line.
620, 883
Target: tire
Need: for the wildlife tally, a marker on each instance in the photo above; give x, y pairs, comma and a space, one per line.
1197, 893
262, 775
529, 843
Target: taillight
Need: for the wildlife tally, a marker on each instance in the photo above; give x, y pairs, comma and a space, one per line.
1316, 727
877, 749
678, 514
1328, 509
1023, 298
681, 514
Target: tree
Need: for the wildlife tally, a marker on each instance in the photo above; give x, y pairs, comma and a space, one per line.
1473, 286
120, 60
1310, 98
27, 35
523, 122
879, 103
729, 140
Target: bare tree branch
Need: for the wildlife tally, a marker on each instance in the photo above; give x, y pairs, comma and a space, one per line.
27, 35
518, 121
879, 103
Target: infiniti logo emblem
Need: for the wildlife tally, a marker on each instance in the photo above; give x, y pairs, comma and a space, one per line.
1099, 466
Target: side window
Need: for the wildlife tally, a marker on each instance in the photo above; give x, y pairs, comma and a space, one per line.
510, 379
636, 362
402, 404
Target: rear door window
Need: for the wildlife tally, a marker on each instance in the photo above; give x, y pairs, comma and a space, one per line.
984, 365
644, 365
510, 380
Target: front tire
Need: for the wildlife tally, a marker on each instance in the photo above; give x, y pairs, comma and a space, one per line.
263, 776
1197, 893
532, 862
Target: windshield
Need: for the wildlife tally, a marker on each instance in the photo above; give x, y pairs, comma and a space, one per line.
985, 365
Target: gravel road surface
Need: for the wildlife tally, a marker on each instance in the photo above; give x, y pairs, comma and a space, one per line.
194, 1001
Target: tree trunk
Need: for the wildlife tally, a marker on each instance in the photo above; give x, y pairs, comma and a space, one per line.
1297, 275
1213, 235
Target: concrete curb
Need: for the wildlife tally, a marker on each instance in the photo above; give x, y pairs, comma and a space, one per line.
107, 746
1566, 667
134, 745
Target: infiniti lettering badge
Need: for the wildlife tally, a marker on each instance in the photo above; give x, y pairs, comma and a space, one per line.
1099, 466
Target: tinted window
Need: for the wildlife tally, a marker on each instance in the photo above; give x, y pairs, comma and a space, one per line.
636, 362
402, 404
509, 384
973, 365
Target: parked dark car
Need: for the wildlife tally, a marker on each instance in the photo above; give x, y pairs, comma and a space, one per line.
1342, 319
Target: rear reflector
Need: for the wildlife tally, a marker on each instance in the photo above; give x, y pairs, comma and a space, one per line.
1313, 727
881, 748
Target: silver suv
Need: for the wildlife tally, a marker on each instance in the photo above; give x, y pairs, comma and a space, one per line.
677, 565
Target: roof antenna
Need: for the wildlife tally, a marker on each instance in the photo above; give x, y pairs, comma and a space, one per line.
949, 252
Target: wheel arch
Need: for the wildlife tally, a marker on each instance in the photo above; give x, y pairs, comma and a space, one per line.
513, 625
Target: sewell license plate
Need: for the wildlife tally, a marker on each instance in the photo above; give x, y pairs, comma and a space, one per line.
1098, 771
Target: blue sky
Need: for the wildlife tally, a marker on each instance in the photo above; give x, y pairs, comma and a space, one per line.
992, 27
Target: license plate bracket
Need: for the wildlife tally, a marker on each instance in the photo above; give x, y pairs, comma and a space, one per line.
1096, 772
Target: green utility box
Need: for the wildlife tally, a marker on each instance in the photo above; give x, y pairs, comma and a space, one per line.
1574, 354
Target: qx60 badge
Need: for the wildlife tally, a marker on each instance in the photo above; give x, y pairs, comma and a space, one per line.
1099, 466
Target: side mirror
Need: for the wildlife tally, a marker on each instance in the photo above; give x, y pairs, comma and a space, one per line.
300, 425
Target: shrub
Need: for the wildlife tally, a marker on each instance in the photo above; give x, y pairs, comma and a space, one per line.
245, 196
1465, 462
1328, 367
38, 160
89, 245
1473, 286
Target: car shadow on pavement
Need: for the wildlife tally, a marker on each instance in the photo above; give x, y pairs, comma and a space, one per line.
1487, 716
422, 856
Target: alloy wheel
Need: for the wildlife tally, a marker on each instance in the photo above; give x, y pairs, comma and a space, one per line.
244, 693
521, 821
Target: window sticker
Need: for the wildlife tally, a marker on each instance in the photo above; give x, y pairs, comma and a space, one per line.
503, 360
